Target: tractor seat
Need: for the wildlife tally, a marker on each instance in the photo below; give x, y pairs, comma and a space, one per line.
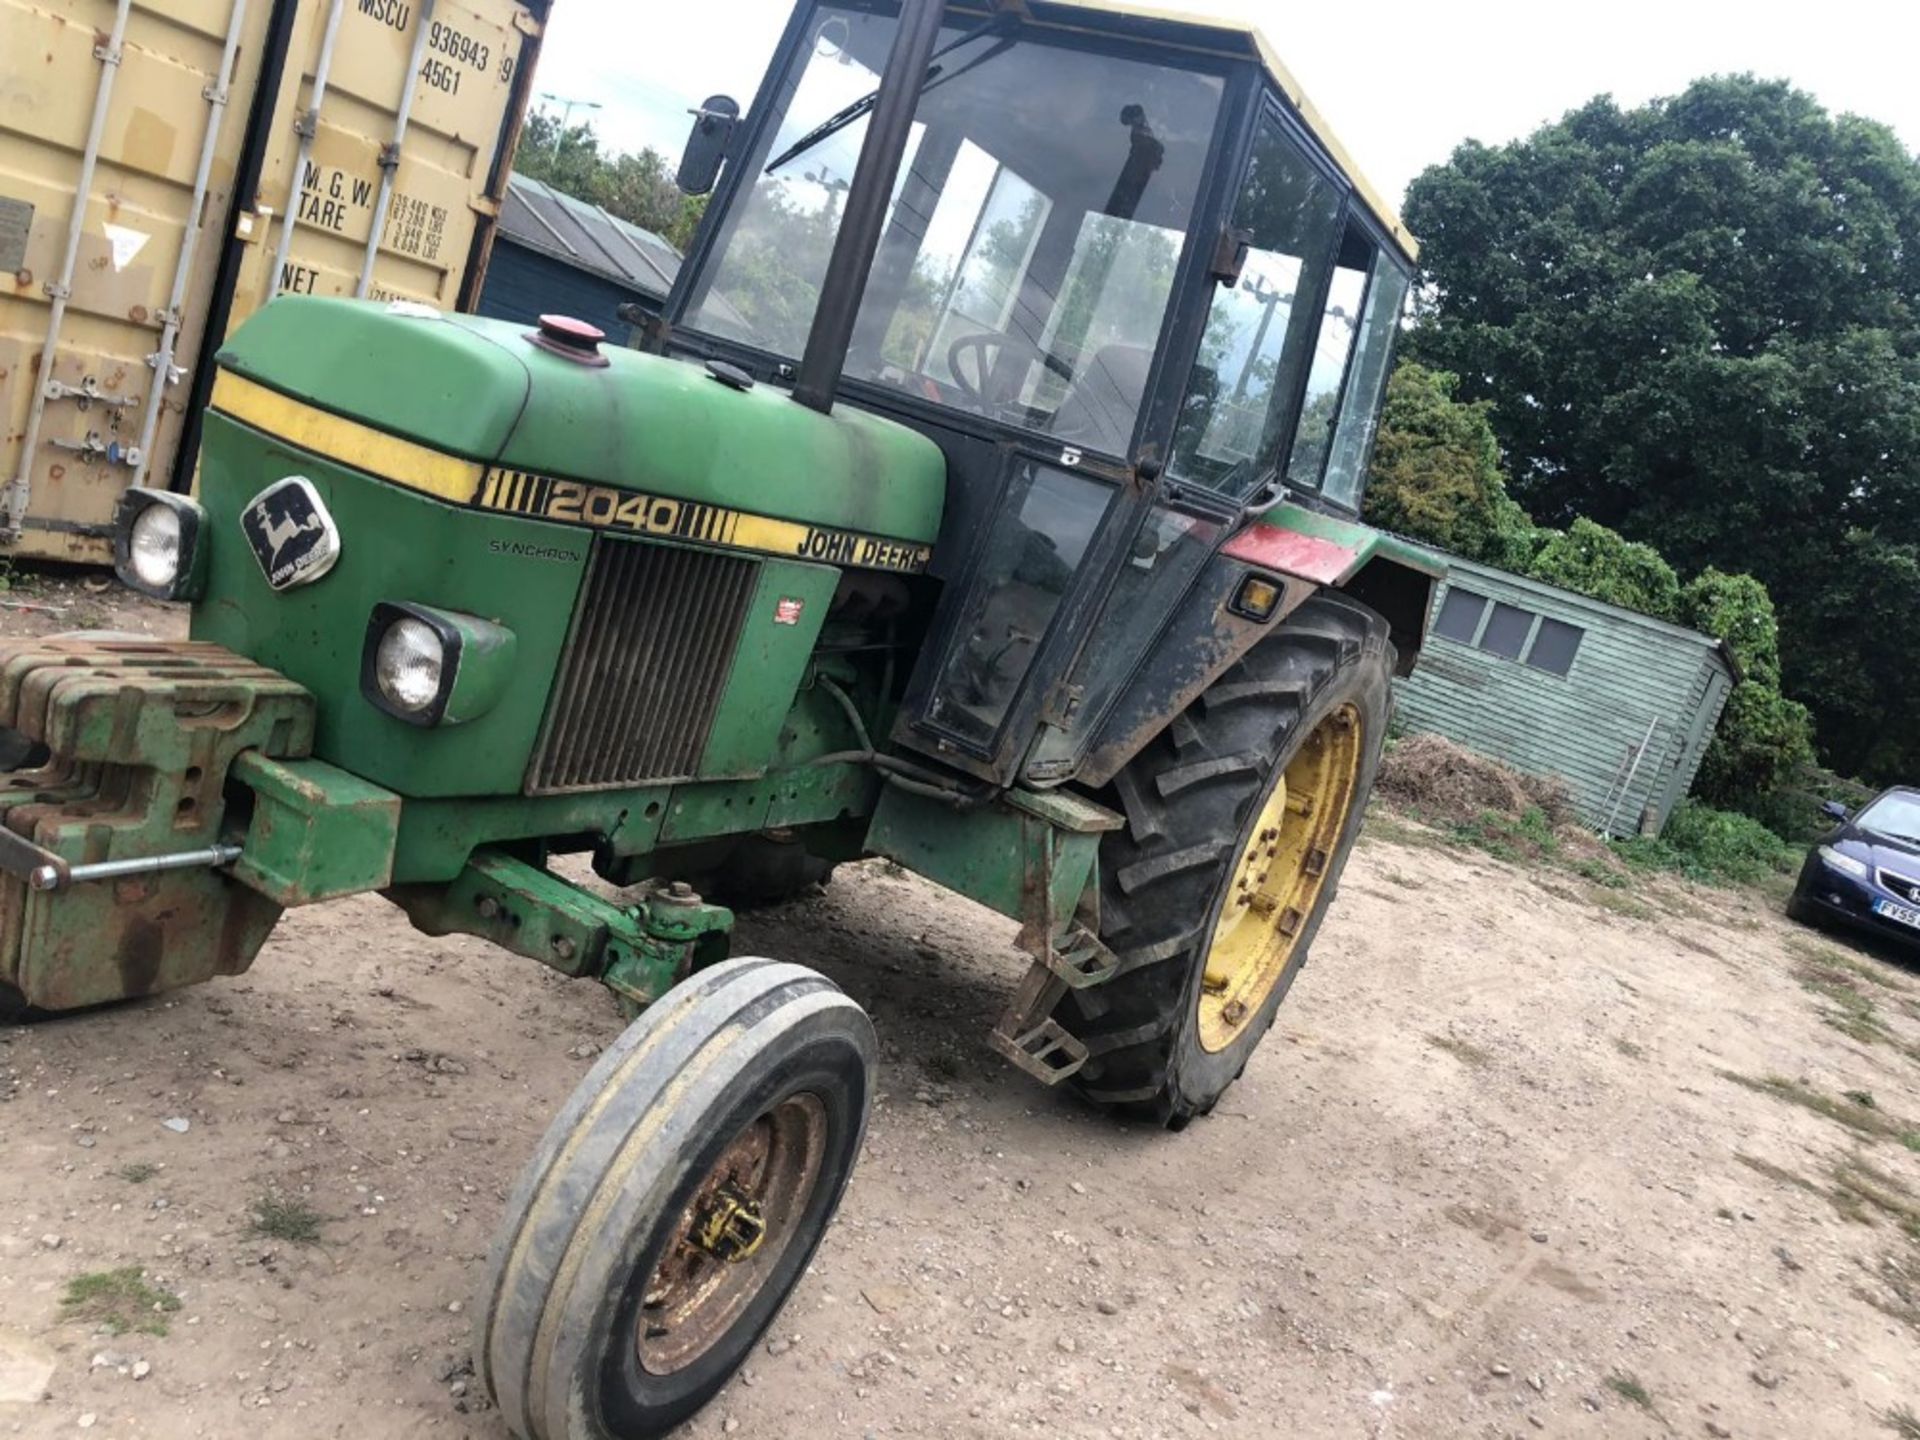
1100, 409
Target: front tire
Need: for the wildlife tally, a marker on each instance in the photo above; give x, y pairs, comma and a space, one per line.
1213, 891
674, 1203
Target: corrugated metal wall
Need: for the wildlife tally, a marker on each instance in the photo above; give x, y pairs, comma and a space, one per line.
1637, 688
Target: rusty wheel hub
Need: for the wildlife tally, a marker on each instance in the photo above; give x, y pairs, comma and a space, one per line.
729, 1239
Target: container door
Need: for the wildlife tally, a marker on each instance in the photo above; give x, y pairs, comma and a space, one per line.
106, 417
465, 65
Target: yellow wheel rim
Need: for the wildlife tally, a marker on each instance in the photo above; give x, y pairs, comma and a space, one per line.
1278, 879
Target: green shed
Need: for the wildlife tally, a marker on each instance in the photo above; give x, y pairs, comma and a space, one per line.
1619, 705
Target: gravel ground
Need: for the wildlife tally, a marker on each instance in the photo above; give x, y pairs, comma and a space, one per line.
1495, 1172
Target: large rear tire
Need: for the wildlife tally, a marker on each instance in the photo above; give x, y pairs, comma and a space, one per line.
1240, 817
674, 1203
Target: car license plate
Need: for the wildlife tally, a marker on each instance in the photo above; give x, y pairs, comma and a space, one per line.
1902, 913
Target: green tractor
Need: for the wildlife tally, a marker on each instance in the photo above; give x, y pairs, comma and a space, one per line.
983, 497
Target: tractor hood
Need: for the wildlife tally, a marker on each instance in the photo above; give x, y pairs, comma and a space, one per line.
484, 391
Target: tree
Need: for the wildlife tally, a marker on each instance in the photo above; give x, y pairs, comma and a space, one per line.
637, 187
1605, 564
1436, 473
1698, 322
1763, 737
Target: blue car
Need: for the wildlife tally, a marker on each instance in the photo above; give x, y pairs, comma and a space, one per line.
1867, 872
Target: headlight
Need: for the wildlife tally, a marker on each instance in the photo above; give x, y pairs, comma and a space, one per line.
154, 547
1845, 864
156, 544
409, 665
428, 666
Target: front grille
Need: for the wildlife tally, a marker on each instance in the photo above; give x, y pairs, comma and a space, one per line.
652, 641
1907, 889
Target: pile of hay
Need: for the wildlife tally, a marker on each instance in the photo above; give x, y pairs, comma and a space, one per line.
1444, 784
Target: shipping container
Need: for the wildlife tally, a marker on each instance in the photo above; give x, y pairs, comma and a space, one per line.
222, 151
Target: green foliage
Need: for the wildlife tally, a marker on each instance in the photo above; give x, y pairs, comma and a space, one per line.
1436, 473
1696, 322
278, 1218
636, 187
1738, 610
1526, 836
118, 1301
1596, 561
1763, 737
1629, 1388
1715, 847
1792, 808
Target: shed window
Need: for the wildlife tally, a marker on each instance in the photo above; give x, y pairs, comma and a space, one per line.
1555, 646
1506, 633
1460, 615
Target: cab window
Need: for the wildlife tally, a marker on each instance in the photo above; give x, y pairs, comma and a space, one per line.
1259, 332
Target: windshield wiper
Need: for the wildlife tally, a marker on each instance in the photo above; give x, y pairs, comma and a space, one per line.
841, 119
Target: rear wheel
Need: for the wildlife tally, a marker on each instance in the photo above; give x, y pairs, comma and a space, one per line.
1240, 817
674, 1203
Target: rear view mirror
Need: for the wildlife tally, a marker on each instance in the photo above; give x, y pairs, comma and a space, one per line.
713, 126
1834, 810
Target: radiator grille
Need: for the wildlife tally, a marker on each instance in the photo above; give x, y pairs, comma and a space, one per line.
652, 642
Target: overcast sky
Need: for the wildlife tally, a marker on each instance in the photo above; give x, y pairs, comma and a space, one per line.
1401, 83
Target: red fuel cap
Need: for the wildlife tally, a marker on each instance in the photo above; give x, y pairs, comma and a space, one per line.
570, 339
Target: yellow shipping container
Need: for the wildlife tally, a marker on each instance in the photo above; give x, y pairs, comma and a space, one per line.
187, 130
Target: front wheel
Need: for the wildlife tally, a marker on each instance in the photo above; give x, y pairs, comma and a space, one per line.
1240, 817
674, 1203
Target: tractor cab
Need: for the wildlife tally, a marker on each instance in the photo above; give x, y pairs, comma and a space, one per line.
1114, 268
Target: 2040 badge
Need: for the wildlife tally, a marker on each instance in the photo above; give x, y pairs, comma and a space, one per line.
292, 535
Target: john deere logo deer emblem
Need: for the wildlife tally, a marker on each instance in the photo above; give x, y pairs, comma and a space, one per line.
292, 536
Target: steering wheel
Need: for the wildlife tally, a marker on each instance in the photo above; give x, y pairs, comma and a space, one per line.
980, 341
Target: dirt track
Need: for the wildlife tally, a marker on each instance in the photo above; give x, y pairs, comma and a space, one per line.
1484, 1173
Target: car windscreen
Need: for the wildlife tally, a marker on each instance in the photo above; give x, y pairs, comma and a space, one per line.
1895, 815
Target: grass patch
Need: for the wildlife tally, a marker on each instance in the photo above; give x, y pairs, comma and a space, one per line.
1598, 872
1777, 1172
290, 1220
1526, 836
1465, 1051
1848, 1009
137, 1173
1869, 1187
1628, 1387
1859, 1191
1902, 1422
1849, 1110
1714, 847
1835, 962
118, 1301
1895, 1292
1618, 902
1381, 824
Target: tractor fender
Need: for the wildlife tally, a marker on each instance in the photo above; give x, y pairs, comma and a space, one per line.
1307, 552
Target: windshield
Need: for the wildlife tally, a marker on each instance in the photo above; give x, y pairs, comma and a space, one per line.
1028, 259
1895, 814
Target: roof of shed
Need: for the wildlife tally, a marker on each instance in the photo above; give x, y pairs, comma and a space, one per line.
1575, 600
582, 234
